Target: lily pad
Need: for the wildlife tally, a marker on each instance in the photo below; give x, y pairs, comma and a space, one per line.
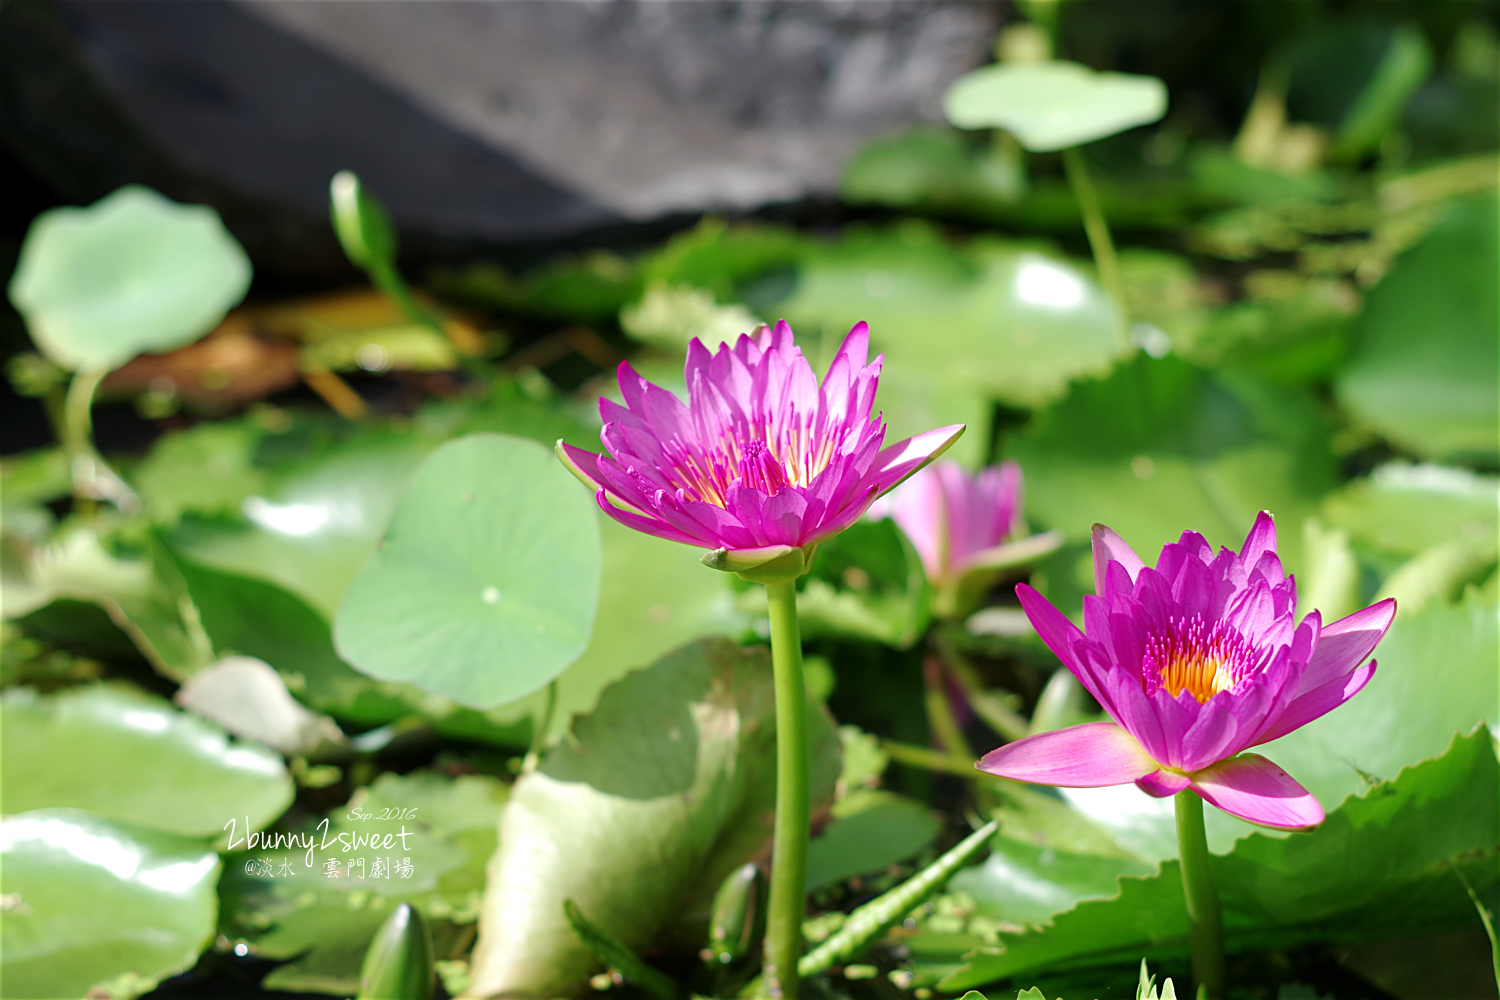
871, 830
146, 763
1161, 446
1055, 104
93, 903
485, 586
133, 272
1422, 367
675, 765
321, 919
1407, 509
958, 327
1382, 864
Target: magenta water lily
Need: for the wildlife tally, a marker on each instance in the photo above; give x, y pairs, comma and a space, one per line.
965, 527
762, 462
1196, 660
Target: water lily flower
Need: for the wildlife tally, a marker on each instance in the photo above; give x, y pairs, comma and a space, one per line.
965, 527
1196, 660
762, 463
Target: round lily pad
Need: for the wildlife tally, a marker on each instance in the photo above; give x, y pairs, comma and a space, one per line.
133, 272
1054, 105
486, 584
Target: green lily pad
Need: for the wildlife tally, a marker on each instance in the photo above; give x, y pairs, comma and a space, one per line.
315, 525
321, 922
1055, 104
1381, 865
95, 904
1160, 447
871, 830
133, 272
1422, 367
485, 586
958, 327
1407, 509
675, 765
146, 763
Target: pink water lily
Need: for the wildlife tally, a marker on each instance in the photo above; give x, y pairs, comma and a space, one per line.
762, 462
964, 527
1196, 661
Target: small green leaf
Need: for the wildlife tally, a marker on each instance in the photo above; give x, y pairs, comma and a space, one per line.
147, 763
89, 901
485, 586
1053, 105
738, 919
398, 965
133, 272
360, 222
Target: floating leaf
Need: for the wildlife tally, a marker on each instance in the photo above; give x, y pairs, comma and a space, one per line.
322, 919
676, 764
133, 272
147, 763
871, 830
1382, 864
1055, 104
1408, 509
1422, 369
1161, 446
485, 586
90, 902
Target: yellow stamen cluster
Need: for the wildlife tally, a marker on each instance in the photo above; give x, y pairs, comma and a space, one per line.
1195, 658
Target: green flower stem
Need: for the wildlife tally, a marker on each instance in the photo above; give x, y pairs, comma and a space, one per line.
940, 718
787, 903
1207, 934
1095, 226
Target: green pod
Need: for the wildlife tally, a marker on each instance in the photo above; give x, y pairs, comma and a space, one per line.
739, 916
363, 228
398, 965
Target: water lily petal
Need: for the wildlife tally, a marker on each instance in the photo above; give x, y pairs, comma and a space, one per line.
649, 525
1316, 703
1262, 539
1110, 547
1343, 645
583, 464
897, 461
1162, 783
1254, 789
1086, 756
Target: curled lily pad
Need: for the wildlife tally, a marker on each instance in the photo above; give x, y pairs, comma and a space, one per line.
1056, 104
133, 272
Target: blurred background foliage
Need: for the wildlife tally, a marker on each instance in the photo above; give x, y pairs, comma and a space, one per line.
1305, 321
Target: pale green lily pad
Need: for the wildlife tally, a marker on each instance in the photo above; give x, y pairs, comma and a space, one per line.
1056, 104
133, 272
1422, 368
665, 788
1382, 865
93, 903
485, 586
1406, 509
128, 756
